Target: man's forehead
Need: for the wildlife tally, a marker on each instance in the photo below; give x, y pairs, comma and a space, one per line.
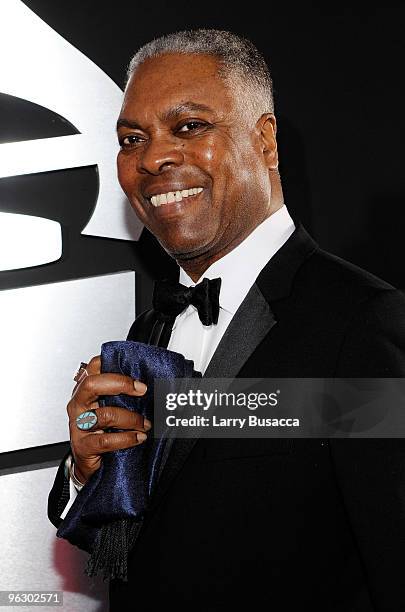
169, 73
175, 83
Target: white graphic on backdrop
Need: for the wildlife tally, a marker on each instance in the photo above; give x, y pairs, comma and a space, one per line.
28, 241
46, 330
56, 325
40, 66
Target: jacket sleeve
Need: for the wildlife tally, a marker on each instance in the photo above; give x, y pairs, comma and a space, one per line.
371, 472
59, 494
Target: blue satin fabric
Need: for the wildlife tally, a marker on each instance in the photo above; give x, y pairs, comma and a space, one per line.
123, 485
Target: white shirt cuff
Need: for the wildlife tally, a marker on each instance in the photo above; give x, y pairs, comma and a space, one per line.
72, 496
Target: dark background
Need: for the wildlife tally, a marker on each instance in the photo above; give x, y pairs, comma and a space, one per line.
338, 76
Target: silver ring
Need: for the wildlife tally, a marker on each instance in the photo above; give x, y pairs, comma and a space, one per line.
81, 372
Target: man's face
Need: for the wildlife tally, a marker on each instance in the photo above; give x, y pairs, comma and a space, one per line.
181, 130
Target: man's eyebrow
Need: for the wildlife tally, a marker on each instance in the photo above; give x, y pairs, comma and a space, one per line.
184, 107
168, 115
127, 123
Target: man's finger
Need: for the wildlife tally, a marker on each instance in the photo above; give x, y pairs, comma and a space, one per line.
106, 384
94, 365
92, 444
112, 416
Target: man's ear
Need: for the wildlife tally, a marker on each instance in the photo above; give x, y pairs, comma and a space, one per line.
267, 128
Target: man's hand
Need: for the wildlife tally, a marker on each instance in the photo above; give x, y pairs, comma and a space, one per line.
89, 446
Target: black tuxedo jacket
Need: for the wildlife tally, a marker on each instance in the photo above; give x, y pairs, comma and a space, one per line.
277, 524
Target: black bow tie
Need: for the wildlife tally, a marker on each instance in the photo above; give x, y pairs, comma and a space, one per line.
171, 298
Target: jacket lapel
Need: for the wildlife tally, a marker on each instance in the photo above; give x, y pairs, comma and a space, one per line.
250, 324
148, 329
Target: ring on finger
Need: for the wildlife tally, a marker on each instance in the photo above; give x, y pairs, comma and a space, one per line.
81, 372
86, 419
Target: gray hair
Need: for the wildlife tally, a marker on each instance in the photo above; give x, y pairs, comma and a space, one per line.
242, 66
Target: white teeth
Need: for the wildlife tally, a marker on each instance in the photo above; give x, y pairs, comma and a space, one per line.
174, 196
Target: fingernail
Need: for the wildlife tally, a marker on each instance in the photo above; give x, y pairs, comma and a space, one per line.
146, 424
139, 386
141, 437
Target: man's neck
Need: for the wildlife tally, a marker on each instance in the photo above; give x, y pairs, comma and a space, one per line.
196, 267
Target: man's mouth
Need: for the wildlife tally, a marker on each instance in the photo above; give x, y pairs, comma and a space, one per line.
174, 196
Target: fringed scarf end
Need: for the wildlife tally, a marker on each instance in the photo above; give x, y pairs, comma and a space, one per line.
111, 549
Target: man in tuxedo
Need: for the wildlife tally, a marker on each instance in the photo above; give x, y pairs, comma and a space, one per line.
298, 524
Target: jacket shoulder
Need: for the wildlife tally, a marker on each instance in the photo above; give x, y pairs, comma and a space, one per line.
338, 280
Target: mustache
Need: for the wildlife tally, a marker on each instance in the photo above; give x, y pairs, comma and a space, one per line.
171, 182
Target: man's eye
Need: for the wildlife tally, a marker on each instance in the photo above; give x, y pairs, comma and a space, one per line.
131, 140
191, 125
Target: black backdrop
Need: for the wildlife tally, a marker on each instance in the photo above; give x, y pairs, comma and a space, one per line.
338, 74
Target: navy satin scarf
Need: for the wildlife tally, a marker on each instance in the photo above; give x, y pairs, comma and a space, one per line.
106, 516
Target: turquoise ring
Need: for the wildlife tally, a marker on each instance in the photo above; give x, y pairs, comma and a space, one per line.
87, 419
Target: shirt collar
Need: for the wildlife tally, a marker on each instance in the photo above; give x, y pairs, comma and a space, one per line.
240, 267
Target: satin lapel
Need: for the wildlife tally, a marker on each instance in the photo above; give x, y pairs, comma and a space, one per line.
160, 333
250, 324
147, 328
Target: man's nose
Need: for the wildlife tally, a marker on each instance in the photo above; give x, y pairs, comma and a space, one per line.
158, 155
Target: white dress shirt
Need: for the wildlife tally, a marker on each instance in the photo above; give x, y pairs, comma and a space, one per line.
238, 270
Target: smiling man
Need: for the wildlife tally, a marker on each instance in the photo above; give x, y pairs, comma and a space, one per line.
240, 524
190, 151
